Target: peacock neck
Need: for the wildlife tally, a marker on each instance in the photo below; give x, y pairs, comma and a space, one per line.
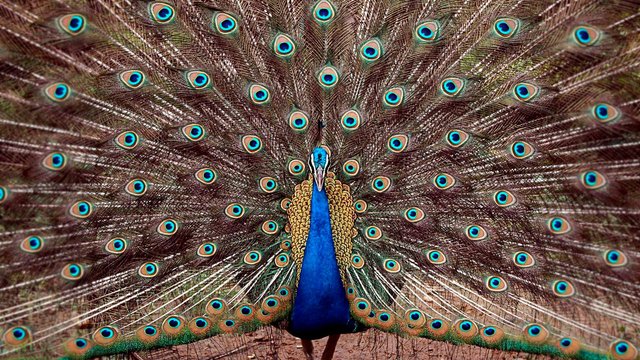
320, 306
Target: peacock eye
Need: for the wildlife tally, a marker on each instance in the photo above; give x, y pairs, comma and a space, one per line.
193, 132
132, 79
444, 181
259, 94
270, 227
252, 257
105, 335
57, 92
380, 184
207, 249
496, 284
55, 161
351, 167
427, 31
296, 167
451, 86
586, 35
198, 79
456, 138
398, 143
492, 334
592, 180
525, 91
615, 258
466, 328
604, 113
161, 12
225, 24
558, 225
323, 12
78, 346
357, 261
476, 233
72, 271
282, 260
504, 198
523, 259
535, 333
251, 144
391, 265
206, 176
173, 325
216, 307
234, 211
521, 150
623, 350
32, 244
284, 46
81, 209
506, 27
413, 214
4, 194
563, 288
328, 77
72, 24
371, 50
127, 140
373, 233
350, 120
116, 246
436, 257
167, 227
148, 270
268, 184
393, 97
360, 206
136, 187
298, 121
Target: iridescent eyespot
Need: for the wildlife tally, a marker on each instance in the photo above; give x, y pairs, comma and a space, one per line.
284, 46
78, 346
350, 120
415, 318
523, 259
105, 335
285, 204
456, 138
360, 206
251, 144
72, 24
259, 94
225, 23
451, 86
55, 161
296, 167
72, 271
206, 176
127, 140
133, 79
373, 233
380, 184
298, 121
148, 270
167, 227
323, 12
285, 245
116, 246
193, 132
413, 214
586, 35
444, 181
81, 209
4, 194
495, 284
148, 333
525, 91
604, 113
593, 180
398, 143
521, 150
351, 167
207, 249
173, 325
32, 244
393, 97
136, 187
438, 327
58, 92
199, 326
245, 312
466, 328
536, 333
427, 31
16, 336
492, 334
268, 184
285, 293
328, 77
282, 260
234, 211
568, 346
216, 307
563, 288
371, 50
558, 225
391, 265
270, 227
436, 257
506, 27
361, 307
476, 232
504, 198
161, 12
623, 350
252, 257
357, 261
615, 258
198, 79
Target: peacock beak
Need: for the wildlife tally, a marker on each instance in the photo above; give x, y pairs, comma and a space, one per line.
319, 177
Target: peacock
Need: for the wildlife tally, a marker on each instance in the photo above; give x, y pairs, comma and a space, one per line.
466, 171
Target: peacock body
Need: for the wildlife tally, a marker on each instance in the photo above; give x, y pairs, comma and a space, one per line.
464, 171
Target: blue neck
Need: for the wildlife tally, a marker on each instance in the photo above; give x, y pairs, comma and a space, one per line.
320, 307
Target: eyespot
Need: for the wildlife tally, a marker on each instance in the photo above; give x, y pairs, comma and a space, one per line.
55, 161
78, 346
615, 258
415, 318
168, 227
444, 181
285, 293
4, 194
323, 12
391, 265
380, 184
523, 259
225, 23
268, 184
285, 245
373, 233
234, 211
148, 333
72, 24
161, 12
623, 350
525, 91
384, 319
216, 307
259, 94
173, 325
398, 143
57, 92
371, 50
227, 326
521, 150
495, 284
360, 307
436, 257
360, 206
451, 86
563, 288
357, 261
127, 140
207, 249
328, 77
148, 270
285, 204
413, 214
476, 233
16, 336
198, 79
32, 244
81, 209
438, 327
251, 144
270, 227
456, 138
393, 97
284, 46
105, 335
282, 260
466, 328
296, 167
350, 120
427, 31
199, 326
558, 225
492, 334
136, 187
298, 121
506, 27
133, 79
604, 113
193, 132
586, 35
72, 271
252, 257
206, 176
536, 333
116, 246
245, 312
568, 346
351, 167
504, 198
593, 180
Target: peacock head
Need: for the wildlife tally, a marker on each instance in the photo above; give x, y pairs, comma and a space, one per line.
319, 162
